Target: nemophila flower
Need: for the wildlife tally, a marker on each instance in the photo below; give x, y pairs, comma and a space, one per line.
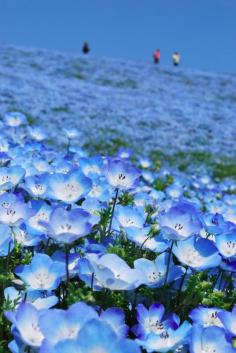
142, 238
35, 224
41, 166
155, 271
147, 176
144, 162
143, 199
91, 167
175, 191
96, 247
62, 166
94, 207
95, 336
42, 273
4, 145
228, 320
34, 297
129, 217
197, 253
124, 153
26, 324
14, 119
152, 321
37, 133
210, 340
13, 211
180, 222
121, 174
157, 195
100, 190
36, 185
25, 238
115, 317
71, 133
66, 226
59, 325
10, 177
69, 187
226, 244
112, 272
73, 260
206, 316
86, 274
6, 240
157, 333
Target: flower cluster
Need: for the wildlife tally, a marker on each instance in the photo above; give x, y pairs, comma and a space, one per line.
96, 258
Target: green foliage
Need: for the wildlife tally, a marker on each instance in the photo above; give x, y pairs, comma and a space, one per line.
61, 109
200, 290
162, 184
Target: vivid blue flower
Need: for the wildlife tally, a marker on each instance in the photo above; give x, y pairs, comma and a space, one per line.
36, 298
113, 272
37, 133
226, 244
14, 119
69, 187
158, 334
35, 224
100, 190
197, 253
6, 240
67, 226
228, 319
121, 174
115, 317
36, 185
141, 238
206, 316
58, 325
73, 261
128, 217
10, 177
95, 336
91, 167
180, 222
13, 210
124, 153
175, 191
42, 273
155, 271
26, 324
24, 237
210, 339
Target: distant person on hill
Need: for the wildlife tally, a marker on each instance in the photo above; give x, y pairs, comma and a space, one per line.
157, 56
86, 48
176, 58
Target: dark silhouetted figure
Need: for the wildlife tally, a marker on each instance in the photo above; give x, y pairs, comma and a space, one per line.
176, 58
157, 56
86, 48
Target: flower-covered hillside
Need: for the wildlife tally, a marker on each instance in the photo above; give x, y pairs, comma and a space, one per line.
102, 255
137, 104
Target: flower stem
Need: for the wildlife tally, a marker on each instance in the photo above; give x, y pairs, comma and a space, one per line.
168, 262
113, 210
181, 285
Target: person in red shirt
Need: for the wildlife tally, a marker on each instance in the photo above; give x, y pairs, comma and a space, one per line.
156, 56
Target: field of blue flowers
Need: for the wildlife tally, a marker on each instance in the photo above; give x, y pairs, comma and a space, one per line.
117, 206
111, 254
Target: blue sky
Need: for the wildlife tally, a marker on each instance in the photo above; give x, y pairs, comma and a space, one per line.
204, 31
